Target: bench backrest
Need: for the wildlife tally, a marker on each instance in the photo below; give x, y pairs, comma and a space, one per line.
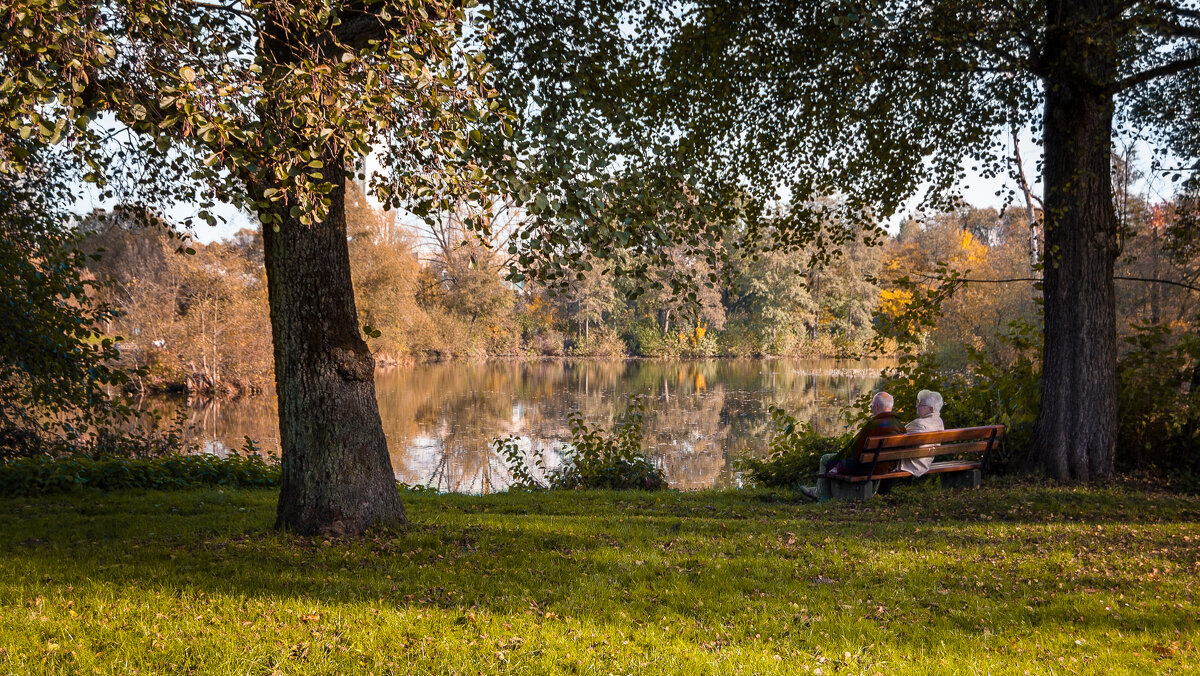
931, 444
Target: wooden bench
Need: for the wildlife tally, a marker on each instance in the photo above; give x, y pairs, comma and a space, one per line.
961, 472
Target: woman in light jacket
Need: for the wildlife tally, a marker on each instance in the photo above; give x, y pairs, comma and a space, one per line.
929, 419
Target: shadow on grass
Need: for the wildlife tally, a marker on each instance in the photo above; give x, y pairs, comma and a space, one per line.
909, 567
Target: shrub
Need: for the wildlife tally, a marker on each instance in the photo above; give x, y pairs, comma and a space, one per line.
153, 441
604, 342
739, 340
523, 475
1160, 402
595, 459
794, 453
646, 339
55, 365
39, 476
545, 342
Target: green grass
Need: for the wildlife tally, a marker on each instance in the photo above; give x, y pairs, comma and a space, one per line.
1007, 579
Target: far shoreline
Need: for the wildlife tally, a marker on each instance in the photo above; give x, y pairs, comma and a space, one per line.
240, 390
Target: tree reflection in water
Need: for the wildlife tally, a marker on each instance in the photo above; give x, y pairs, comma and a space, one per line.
440, 419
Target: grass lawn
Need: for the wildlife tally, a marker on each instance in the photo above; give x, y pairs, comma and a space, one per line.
1007, 579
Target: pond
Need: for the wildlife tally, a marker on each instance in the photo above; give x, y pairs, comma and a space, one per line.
440, 419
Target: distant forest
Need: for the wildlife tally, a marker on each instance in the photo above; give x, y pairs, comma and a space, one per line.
199, 321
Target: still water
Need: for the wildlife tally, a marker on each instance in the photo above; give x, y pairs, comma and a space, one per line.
440, 419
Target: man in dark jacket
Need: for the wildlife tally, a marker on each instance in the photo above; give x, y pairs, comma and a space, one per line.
883, 423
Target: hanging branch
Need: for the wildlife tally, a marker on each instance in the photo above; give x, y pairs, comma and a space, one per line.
1008, 280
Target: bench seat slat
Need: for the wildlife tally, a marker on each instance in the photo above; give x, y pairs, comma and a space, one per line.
936, 468
947, 436
928, 452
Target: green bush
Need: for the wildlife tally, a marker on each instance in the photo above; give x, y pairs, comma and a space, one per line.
794, 453
595, 459
523, 475
646, 339
1160, 402
154, 440
56, 367
604, 342
39, 476
739, 340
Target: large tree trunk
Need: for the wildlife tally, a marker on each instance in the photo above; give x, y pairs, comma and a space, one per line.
1076, 429
337, 475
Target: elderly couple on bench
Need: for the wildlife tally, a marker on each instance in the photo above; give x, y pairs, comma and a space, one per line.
883, 423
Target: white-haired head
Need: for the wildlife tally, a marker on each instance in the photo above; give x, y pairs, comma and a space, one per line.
931, 399
882, 402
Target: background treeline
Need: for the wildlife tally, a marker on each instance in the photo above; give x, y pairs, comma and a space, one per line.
200, 321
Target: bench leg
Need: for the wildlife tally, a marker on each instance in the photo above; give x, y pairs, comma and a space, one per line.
823, 490
967, 479
846, 490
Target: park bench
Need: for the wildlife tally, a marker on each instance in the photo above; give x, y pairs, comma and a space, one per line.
970, 446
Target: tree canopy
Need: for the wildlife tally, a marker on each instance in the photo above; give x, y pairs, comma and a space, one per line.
266, 105
679, 117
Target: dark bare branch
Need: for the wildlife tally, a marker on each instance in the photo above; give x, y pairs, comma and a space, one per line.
1153, 73
1014, 62
1186, 13
223, 8
1009, 280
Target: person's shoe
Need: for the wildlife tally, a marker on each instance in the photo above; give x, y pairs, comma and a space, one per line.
810, 492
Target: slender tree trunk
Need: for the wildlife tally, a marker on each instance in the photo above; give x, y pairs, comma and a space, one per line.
1030, 214
337, 475
1076, 429
1155, 289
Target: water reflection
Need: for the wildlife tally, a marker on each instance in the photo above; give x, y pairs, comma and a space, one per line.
440, 419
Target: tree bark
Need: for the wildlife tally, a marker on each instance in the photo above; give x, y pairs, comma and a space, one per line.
1076, 429
337, 475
